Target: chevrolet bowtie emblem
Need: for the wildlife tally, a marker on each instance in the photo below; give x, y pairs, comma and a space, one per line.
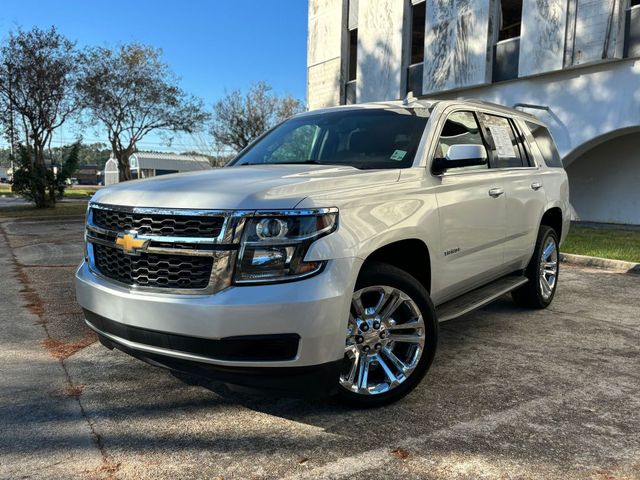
130, 243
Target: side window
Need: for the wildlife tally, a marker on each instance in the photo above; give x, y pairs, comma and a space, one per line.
523, 145
461, 128
504, 150
545, 143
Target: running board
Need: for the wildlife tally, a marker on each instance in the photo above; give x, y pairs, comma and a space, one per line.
478, 298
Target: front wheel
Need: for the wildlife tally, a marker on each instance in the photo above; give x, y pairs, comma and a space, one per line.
542, 272
391, 337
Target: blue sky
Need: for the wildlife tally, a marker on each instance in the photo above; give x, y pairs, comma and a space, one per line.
211, 45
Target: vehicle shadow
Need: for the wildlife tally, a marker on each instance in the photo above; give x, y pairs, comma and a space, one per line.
468, 351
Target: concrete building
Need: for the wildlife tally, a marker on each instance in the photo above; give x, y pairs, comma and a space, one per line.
573, 63
151, 164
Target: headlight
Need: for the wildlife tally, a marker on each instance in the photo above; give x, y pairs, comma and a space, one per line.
274, 245
86, 222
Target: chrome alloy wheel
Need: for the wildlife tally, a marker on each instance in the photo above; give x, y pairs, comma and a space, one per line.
548, 268
385, 340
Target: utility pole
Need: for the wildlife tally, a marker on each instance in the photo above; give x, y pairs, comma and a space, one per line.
11, 126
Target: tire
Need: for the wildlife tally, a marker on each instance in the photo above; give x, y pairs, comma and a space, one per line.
386, 301
538, 293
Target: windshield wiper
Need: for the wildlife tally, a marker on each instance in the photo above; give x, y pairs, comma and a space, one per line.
292, 162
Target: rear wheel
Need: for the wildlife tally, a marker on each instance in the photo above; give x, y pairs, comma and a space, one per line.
391, 337
542, 271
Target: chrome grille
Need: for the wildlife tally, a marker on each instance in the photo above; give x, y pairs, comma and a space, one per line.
156, 224
175, 251
151, 270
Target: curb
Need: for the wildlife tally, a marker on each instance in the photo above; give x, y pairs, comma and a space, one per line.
39, 218
603, 263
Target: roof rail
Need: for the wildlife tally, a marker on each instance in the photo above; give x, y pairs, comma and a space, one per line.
533, 106
498, 106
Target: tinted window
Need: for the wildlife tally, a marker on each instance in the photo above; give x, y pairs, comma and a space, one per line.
418, 19
525, 150
545, 143
461, 128
504, 151
511, 19
353, 55
359, 138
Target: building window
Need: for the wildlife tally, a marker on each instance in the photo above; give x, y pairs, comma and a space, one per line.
510, 19
416, 62
418, 13
353, 55
350, 57
632, 30
352, 68
506, 52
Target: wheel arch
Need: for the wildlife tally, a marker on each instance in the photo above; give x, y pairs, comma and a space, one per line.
553, 218
411, 255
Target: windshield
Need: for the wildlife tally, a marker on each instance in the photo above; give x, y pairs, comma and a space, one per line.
361, 138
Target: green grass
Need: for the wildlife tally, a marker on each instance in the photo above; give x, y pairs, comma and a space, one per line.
29, 211
84, 191
69, 192
605, 241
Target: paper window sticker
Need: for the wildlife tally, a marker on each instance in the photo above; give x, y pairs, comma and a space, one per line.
398, 155
502, 141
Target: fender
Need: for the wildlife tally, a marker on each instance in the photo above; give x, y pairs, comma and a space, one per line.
366, 228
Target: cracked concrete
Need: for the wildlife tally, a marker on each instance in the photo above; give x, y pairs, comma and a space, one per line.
44, 432
512, 394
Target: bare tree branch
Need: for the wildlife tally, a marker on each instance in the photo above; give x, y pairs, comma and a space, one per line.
132, 93
239, 119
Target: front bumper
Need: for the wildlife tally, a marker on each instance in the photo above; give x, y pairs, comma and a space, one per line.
305, 382
314, 310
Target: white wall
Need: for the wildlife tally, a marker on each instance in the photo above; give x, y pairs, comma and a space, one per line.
585, 103
459, 38
597, 22
458, 41
605, 182
380, 42
324, 51
542, 36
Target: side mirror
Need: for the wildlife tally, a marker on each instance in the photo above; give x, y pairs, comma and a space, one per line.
460, 156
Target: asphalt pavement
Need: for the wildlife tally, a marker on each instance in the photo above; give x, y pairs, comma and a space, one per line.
512, 393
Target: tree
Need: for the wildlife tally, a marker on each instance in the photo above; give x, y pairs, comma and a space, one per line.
38, 73
131, 92
40, 184
239, 119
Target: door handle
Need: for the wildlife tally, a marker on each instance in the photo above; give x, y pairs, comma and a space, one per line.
496, 192
536, 186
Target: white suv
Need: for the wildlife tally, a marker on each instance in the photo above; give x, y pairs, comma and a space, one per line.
322, 258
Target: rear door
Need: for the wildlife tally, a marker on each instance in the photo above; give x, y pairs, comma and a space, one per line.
513, 164
472, 209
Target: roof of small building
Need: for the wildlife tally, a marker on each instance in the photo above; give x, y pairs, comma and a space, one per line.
169, 161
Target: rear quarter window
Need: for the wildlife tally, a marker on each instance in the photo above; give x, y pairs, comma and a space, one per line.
546, 145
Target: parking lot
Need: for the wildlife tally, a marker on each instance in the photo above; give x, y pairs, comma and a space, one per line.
511, 394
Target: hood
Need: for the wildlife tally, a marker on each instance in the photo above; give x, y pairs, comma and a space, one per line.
243, 188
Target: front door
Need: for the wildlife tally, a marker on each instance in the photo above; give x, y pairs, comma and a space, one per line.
472, 206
